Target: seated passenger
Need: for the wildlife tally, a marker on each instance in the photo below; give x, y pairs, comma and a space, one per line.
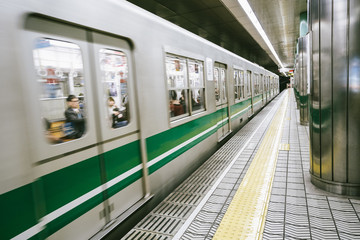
175, 106
75, 116
116, 115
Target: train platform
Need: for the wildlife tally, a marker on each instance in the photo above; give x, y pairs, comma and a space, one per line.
256, 186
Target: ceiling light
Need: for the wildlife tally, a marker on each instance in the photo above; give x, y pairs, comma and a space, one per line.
249, 12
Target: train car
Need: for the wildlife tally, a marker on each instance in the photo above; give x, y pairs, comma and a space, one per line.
106, 106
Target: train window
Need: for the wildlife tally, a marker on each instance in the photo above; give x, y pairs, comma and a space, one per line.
248, 89
217, 86
238, 84
220, 84
178, 87
185, 80
256, 84
197, 86
114, 76
223, 85
242, 87
59, 74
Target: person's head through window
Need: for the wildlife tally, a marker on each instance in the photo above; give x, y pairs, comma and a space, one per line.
111, 102
73, 102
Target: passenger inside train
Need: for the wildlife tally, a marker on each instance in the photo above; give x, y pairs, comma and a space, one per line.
74, 116
176, 108
117, 117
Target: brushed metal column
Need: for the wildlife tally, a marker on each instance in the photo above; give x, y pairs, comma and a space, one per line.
340, 75
354, 92
325, 14
297, 80
314, 125
303, 84
335, 96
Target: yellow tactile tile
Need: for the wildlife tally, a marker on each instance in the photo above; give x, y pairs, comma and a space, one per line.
246, 214
284, 147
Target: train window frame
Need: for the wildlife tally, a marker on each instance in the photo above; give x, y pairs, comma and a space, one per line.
115, 87
236, 84
221, 85
256, 83
101, 41
239, 85
198, 100
37, 27
187, 88
249, 88
52, 58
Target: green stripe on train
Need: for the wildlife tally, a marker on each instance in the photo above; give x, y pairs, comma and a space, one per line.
54, 190
75, 182
238, 107
119, 161
17, 211
169, 139
257, 98
57, 189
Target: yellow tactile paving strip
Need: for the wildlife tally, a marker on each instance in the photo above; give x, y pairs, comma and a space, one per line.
285, 147
246, 214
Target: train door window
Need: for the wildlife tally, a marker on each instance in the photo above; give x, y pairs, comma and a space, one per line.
197, 86
265, 80
217, 85
242, 86
223, 92
220, 84
236, 85
178, 87
59, 73
114, 75
221, 100
256, 81
261, 83
248, 79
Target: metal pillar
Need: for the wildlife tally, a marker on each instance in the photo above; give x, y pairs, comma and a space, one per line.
335, 95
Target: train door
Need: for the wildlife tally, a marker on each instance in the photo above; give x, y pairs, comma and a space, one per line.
221, 99
250, 91
118, 129
65, 158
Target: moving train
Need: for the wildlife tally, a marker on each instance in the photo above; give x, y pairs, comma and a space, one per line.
152, 99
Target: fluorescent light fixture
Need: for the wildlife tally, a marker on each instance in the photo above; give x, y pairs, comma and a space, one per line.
245, 5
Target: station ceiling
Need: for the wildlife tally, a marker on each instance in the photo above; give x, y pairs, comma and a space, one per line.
225, 23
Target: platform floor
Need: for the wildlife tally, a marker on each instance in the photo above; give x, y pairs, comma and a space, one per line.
206, 205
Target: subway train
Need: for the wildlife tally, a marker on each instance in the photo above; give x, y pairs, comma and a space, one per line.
107, 107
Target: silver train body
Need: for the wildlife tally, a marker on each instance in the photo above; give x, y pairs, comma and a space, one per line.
56, 187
